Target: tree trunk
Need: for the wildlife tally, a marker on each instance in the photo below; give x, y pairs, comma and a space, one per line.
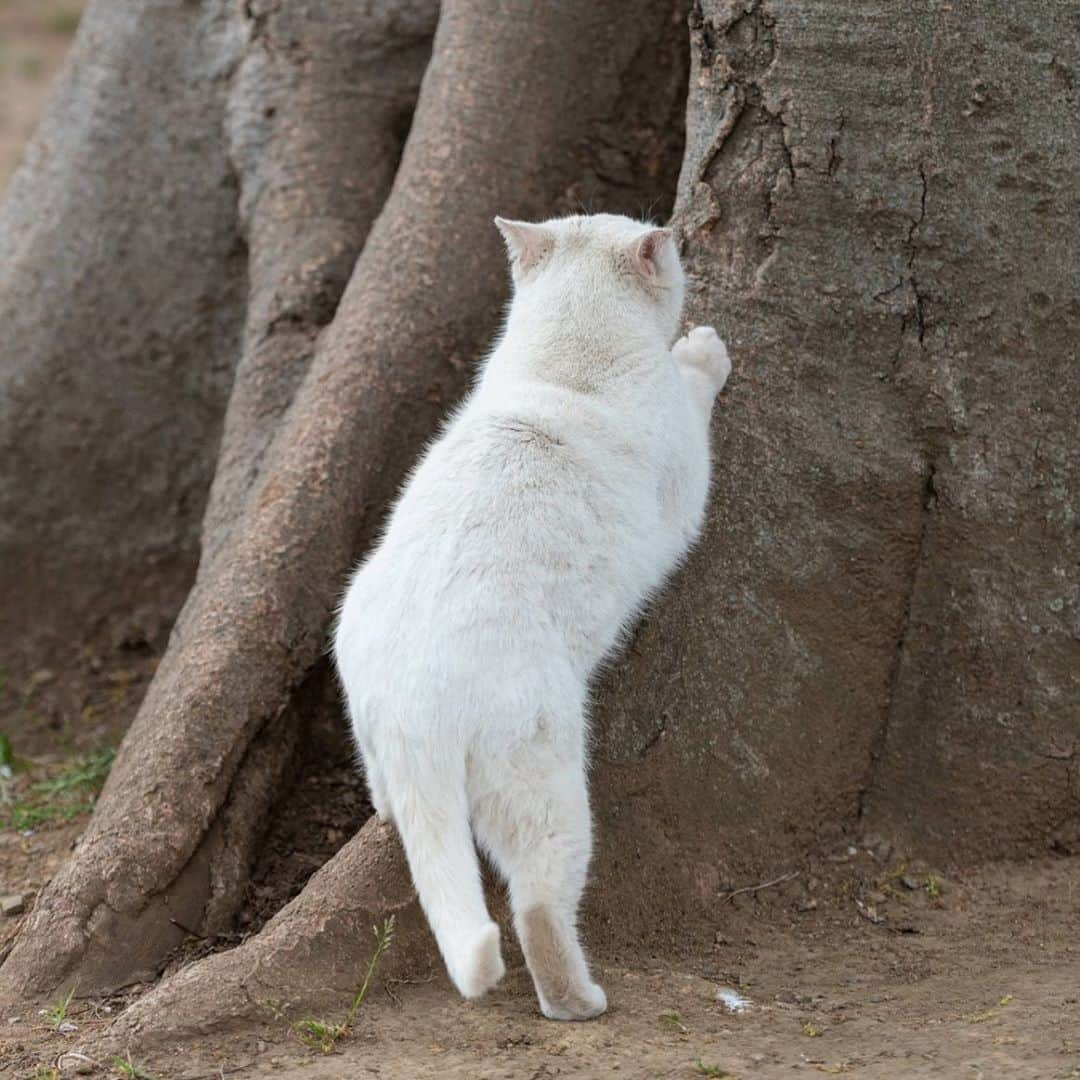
121, 298
879, 630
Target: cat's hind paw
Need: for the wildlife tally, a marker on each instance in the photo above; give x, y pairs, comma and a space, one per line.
483, 967
585, 1003
702, 349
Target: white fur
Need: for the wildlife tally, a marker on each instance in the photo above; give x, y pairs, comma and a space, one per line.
557, 500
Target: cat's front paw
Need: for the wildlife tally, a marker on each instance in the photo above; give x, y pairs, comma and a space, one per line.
702, 349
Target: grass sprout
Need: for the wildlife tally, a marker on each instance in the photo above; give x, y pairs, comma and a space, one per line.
324, 1035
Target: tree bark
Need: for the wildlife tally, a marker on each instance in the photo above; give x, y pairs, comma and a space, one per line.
878, 633
121, 298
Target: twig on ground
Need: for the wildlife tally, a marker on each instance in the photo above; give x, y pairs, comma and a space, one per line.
757, 888
221, 1072
869, 913
187, 929
61, 1060
405, 982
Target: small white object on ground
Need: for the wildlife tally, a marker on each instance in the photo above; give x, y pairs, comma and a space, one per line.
68, 1028
732, 1000
75, 1062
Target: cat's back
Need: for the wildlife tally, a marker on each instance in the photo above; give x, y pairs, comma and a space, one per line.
519, 529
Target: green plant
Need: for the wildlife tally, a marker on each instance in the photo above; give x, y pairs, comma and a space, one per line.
127, 1068
59, 1012
710, 1070
933, 886
323, 1035
64, 796
675, 1020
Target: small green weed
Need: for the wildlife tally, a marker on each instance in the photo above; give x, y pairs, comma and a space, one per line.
61, 797
711, 1070
59, 1012
673, 1018
322, 1035
318, 1034
127, 1068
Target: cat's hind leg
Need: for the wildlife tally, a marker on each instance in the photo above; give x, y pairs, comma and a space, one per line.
431, 813
532, 817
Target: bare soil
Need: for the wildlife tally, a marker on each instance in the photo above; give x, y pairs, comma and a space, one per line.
34, 38
864, 964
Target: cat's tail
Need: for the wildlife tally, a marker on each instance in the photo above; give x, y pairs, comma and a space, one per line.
432, 815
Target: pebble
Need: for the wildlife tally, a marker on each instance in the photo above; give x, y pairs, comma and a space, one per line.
15, 904
75, 1063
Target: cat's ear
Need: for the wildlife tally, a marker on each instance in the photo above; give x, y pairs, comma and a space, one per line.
646, 252
526, 243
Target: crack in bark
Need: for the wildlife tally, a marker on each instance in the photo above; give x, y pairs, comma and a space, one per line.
732, 115
877, 753
833, 164
750, 145
918, 306
920, 300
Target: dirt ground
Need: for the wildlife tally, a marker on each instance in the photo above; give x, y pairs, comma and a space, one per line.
34, 37
863, 964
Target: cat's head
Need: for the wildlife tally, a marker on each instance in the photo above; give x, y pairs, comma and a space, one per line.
607, 257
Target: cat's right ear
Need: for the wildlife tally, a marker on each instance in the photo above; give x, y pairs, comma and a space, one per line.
527, 244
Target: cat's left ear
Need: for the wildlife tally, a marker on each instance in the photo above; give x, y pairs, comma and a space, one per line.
526, 243
646, 252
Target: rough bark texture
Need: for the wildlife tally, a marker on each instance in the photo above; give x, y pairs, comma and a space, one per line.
980, 752
423, 298
316, 119
121, 300
879, 630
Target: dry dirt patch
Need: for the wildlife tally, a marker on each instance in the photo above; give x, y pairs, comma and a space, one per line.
976, 976
34, 38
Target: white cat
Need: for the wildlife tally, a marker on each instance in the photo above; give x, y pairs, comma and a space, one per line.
561, 494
